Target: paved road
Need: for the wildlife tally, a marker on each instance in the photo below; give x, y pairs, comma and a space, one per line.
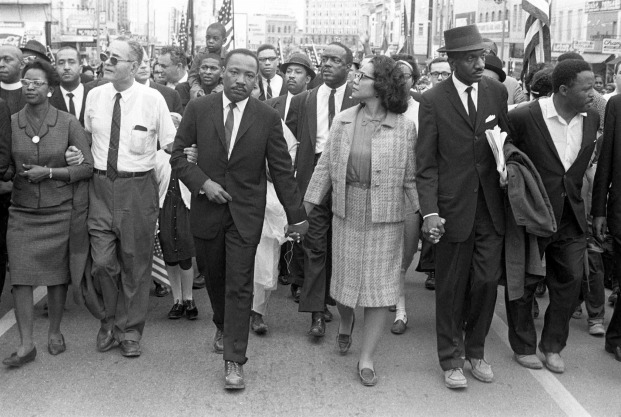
287, 375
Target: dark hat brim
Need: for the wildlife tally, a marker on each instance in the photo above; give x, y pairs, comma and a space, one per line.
309, 70
28, 51
465, 48
499, 71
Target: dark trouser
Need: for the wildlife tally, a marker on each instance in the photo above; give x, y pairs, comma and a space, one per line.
592, 290
228, 264
613, 333
5, 202
616, 278
467, 271
317, 262
121, 224
564, 270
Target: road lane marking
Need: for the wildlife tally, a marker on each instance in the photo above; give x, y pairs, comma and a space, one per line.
8, 320
563, 398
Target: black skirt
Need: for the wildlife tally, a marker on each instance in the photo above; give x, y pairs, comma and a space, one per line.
175, 235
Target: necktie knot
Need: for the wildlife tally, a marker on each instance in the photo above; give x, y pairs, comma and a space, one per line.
232, 106
118, 96
70, 95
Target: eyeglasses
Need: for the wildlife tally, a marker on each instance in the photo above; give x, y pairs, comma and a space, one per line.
358, 75
444, 74
335, 60
268, 58
113, 60
37, 83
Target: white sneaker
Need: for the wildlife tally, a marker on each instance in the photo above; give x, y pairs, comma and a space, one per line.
597, 329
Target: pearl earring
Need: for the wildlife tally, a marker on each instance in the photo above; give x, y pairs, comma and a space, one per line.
49, 94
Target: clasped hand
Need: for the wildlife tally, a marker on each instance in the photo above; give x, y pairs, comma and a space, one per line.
35, 173
296, 231
433, 228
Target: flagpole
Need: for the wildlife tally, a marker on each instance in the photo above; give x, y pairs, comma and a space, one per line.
233, 20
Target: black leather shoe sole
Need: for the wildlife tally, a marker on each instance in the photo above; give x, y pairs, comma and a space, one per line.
614, 350
15, 361
130, 349
107, 343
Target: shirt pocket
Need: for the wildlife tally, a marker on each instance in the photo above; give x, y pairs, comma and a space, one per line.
139, 140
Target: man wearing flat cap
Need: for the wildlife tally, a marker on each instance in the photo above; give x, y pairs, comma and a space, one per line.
462, 202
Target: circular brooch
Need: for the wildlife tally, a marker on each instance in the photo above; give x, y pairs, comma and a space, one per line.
35, 139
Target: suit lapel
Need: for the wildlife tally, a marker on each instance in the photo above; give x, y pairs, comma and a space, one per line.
481, 104
348, 101
587, 133
50, 120
537, 115
59, 100
247, 120
311, 118
280, 106
455, 100
219, 120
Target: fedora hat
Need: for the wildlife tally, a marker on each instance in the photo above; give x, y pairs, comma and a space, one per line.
463, 38
493, 63
299, 59
35, 48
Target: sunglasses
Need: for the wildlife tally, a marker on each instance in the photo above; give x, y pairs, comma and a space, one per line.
113, 60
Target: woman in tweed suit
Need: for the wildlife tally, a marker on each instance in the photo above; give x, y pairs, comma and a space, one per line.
40, 216
369, 166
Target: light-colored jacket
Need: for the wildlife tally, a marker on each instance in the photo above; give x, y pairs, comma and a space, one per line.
392, 166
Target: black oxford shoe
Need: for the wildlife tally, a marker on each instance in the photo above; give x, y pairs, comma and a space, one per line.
616, 350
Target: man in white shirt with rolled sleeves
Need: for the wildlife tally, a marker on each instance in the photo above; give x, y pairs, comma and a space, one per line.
125, 120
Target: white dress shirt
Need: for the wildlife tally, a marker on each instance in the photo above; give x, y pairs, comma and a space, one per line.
412, 111
323, 127
287, 103
238, 113
78, 96
181, 80
567, 138
275, 85
463, 95
141, 107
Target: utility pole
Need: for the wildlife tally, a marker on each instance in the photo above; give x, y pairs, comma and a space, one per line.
430, 30
97, 12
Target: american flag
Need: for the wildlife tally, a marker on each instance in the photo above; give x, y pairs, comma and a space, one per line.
189, 29
158, 267
537, 46
182, 36
312, 57
279, 52
225, 16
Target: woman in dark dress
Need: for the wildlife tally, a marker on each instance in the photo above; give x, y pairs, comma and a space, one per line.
40, 215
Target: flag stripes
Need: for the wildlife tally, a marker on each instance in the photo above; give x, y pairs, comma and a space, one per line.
537, 44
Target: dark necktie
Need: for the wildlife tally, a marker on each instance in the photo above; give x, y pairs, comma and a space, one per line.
228, 126
71, 105
472, 111
115, 134
331, 108
269, 90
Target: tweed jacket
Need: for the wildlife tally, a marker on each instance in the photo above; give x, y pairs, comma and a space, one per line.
58, 131
392, 166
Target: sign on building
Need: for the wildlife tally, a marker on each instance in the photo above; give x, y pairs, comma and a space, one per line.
584, 45
561, 47
602, 5
611, 46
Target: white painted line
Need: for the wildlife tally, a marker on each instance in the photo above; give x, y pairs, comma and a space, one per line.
8, 320
563, 398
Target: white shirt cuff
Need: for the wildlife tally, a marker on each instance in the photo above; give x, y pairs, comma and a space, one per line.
430, 214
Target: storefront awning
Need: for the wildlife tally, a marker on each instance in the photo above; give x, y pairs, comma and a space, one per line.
597, 58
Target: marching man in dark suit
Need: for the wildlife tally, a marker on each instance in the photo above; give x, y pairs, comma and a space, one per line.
558, 135
606, 206
71, 96
462, 203
234, 134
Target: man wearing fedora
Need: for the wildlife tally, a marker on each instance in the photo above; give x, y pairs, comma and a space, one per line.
461, 202
297, 72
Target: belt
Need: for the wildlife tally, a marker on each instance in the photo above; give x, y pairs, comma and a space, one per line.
362, 185
317, 156
123, 174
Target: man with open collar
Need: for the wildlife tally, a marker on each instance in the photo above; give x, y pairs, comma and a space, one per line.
462, 202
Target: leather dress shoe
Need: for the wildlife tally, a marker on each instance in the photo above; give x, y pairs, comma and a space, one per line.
597, 329
553, 361
130, 348
330, 301
56, 347
218, 342
616, 350
283, 280
160, 290
528, 361
327, 315
399, 326
481, 370
392, 308
191, 312
318, 325
199, 282
177, 310
614, 295
455, 379
535, 309
296, 292
233, 375
368, 378
430, 282
541, 289
577, 313
16, 361
257, 324
343, 341
106, 340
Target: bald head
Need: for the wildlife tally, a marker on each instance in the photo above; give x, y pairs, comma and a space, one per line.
10, 64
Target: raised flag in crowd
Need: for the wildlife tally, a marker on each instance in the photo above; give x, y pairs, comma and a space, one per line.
537, 46
225, 16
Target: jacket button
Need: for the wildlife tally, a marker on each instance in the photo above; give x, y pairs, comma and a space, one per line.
476, 189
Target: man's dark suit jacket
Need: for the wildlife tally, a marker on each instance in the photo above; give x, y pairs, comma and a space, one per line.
607, 184
453, 157
173, 100
531, 135
243, 176
279, 103
302, 121
57, 100
283, 89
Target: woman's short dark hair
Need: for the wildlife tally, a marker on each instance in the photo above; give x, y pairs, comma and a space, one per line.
411, 62
541, 84
566, 72
52, 78
390, 84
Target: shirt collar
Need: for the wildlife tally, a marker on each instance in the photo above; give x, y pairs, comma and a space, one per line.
125, 95
461, 87
241, 105
11, 86
78, 90
549, 110
326, 90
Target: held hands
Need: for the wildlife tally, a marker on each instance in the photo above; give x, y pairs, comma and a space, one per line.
215, 193
191, 154
73, 156
35, 173
296, 231
599, 228
433, 228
